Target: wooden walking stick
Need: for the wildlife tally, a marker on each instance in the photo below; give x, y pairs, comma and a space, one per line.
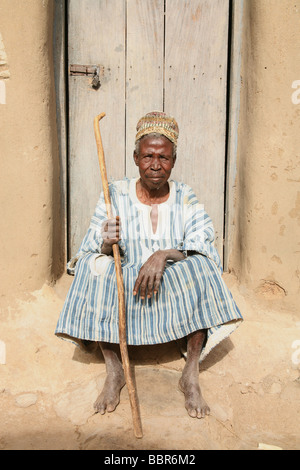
121, 299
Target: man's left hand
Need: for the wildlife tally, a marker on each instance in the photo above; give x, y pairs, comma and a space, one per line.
150, 274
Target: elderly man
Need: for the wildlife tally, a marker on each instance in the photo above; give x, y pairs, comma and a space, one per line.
171, 270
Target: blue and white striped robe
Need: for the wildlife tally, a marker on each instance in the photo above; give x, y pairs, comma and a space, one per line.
192, 294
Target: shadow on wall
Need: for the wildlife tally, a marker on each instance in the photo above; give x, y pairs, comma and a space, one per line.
59, 244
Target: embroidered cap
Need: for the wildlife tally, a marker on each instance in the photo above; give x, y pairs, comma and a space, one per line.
159, 123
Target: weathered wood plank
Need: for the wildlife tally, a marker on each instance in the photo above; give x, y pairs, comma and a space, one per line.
96, 37
144, 68
234, 107
59, 47
190, 84
195, 93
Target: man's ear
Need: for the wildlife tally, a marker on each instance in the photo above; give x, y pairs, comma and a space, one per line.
174, 160
136, 158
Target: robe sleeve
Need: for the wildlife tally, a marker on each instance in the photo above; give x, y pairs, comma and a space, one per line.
199, 232
92, 241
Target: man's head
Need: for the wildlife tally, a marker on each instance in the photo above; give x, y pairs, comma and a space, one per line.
160, 123
155, 148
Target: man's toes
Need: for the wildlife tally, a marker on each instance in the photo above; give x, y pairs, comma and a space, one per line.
198, 412
203, 411
112, 406
99, 407
102, 405
192, 412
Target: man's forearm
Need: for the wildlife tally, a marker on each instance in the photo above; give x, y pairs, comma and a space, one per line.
171, 254
174, 255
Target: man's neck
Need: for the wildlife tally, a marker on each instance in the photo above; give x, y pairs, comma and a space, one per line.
152, 196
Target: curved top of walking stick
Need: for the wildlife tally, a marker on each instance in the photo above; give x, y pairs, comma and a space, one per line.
98, 135
102, 159
100, 116
96, 127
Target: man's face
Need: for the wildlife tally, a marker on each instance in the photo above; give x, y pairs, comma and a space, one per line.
155, 161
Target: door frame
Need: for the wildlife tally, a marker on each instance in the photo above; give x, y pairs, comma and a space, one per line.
60, 43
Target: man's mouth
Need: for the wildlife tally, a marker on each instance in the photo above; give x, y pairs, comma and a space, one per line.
155, 177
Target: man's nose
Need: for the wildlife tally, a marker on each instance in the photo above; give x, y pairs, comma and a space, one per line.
155, 164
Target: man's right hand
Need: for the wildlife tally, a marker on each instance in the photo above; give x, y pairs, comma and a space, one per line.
111, 234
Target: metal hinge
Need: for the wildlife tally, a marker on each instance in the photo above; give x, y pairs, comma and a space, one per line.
88, 70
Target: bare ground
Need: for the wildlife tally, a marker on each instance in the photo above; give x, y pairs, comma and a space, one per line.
251, 382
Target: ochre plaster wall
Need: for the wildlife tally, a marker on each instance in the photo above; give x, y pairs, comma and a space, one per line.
267, 213
30, 226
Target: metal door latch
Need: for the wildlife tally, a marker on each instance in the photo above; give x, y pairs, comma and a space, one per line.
87, 70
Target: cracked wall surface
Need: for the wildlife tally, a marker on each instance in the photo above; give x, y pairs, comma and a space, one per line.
29, 190
266, 251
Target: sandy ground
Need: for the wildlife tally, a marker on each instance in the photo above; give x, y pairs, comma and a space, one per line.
251, 382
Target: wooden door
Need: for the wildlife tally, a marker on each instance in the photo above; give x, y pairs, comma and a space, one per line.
166, 55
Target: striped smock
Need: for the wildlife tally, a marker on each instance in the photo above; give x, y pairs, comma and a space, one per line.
192, 294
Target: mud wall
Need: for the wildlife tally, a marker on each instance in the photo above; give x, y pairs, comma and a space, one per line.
31, 250
267, 213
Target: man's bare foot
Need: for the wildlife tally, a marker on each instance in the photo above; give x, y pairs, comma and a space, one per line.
109, 398
195, 404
